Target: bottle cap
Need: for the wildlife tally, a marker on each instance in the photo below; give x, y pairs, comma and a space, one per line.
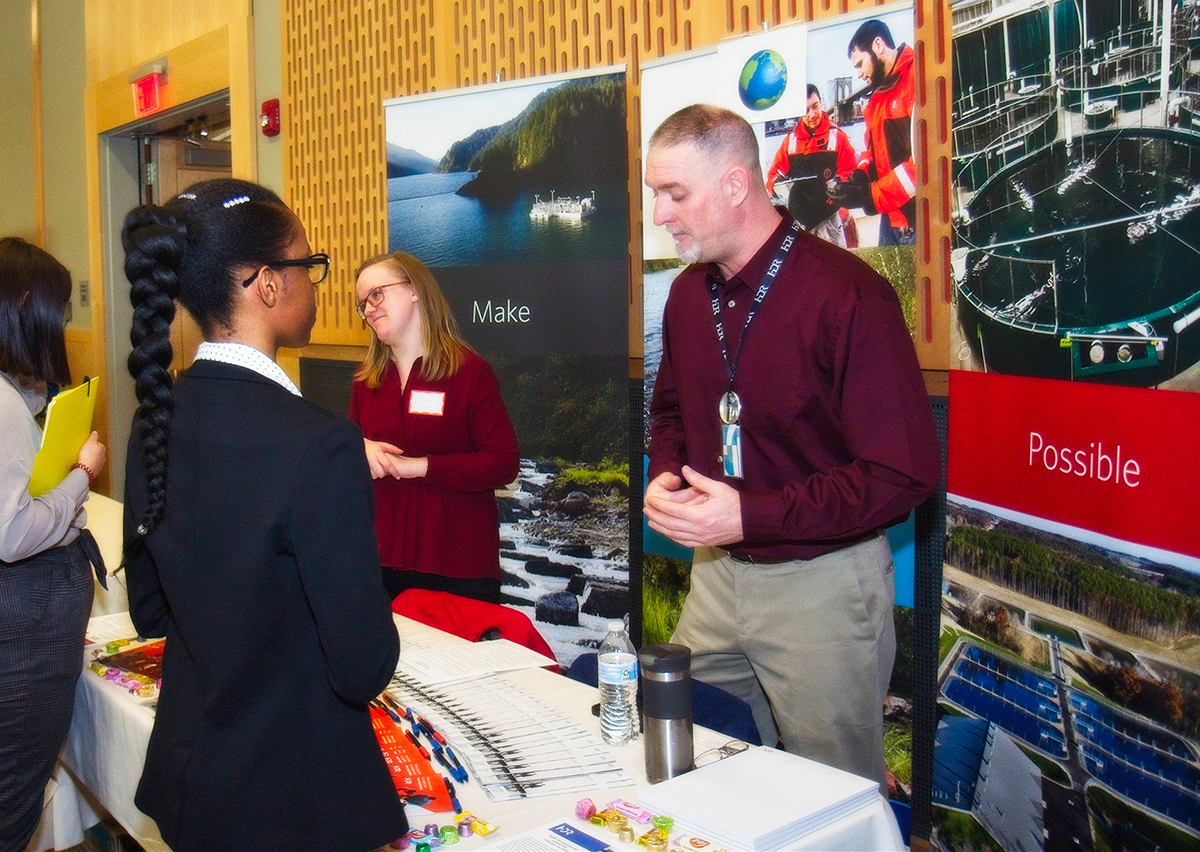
665, 657
616, 626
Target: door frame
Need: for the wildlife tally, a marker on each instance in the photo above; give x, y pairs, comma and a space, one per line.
217, 64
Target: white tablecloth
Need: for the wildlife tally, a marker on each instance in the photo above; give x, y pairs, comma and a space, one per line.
107, 746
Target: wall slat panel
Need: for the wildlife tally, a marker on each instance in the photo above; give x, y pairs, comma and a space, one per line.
122, 34
343, 58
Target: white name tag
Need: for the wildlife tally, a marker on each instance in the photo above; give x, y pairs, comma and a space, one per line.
426, 402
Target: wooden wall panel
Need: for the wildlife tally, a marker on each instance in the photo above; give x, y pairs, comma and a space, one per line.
343, 58
933, 151
336, 54
122, 34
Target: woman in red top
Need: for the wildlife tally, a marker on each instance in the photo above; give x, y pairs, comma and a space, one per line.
438, 437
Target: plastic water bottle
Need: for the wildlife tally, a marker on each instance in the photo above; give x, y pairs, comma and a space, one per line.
618, 666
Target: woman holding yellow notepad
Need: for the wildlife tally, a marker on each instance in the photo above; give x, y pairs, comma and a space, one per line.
45, 577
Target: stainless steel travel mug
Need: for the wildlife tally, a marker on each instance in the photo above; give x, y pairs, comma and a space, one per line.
666, 709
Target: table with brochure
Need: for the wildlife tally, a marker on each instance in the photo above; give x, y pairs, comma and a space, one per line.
107, 745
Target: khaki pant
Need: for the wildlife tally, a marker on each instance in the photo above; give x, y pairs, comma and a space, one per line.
808, 644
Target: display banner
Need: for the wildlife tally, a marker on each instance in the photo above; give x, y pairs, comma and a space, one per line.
516, 196
771, 79
1068, 670
1081, 455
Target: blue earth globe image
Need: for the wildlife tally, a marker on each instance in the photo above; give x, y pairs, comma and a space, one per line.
763, 80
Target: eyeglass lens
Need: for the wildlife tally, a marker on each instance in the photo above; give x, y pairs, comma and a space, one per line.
374, 298
319, 269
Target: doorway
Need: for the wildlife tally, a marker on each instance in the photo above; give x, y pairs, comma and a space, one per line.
150, 162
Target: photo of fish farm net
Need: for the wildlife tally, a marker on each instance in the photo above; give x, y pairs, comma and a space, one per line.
1077, 237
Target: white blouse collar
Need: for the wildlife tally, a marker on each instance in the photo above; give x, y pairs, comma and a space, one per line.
241, 355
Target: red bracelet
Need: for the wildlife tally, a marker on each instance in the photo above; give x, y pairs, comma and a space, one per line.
91, 476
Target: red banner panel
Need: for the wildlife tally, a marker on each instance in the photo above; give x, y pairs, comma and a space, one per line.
1121, 462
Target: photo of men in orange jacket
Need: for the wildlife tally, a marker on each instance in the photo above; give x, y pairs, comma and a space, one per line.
885, 181
805, 187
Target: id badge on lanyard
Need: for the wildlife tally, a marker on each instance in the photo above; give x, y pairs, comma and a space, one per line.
731, 449
729, 407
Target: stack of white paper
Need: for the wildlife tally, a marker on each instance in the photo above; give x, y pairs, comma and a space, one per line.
760, 799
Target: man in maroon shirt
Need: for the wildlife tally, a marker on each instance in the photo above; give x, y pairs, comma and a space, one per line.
790, 425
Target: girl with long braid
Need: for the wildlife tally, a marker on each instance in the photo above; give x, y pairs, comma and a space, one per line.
249, 545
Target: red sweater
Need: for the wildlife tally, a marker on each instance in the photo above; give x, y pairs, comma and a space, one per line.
445, 523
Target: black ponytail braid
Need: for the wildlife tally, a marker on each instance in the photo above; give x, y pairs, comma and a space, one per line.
155, 242
192, 249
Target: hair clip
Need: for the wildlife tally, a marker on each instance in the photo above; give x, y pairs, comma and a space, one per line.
234, 202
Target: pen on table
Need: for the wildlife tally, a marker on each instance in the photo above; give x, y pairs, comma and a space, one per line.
429, 730
436, 748
413, 719
453, 795
379, 705
420, 724
461, 775
417, 743
456, 771
391, 703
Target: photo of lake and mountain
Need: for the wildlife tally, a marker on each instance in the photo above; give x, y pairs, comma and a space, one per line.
516, 197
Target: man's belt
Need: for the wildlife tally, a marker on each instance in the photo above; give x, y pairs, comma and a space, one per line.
748, 559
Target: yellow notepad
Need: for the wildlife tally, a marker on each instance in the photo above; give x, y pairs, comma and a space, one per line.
68, 424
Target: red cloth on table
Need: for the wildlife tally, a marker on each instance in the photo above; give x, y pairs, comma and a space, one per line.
469, 618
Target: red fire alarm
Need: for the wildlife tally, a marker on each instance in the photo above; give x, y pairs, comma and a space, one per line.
269, 117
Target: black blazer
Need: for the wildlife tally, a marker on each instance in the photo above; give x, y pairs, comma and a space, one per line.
264, 577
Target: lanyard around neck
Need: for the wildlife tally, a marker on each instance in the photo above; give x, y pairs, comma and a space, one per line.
768, 279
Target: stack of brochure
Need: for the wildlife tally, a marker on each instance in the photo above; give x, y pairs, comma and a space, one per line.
760, 799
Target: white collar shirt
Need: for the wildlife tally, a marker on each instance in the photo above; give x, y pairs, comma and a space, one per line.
241, 355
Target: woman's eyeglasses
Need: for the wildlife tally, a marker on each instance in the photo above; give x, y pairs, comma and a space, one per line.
317, 266
720, 753
374, 298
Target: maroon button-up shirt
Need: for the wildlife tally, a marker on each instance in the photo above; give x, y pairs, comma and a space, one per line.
837, 433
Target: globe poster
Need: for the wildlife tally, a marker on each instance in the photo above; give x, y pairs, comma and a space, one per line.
762, 76
763, 80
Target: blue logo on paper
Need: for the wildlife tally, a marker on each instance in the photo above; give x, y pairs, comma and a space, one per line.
579, 838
